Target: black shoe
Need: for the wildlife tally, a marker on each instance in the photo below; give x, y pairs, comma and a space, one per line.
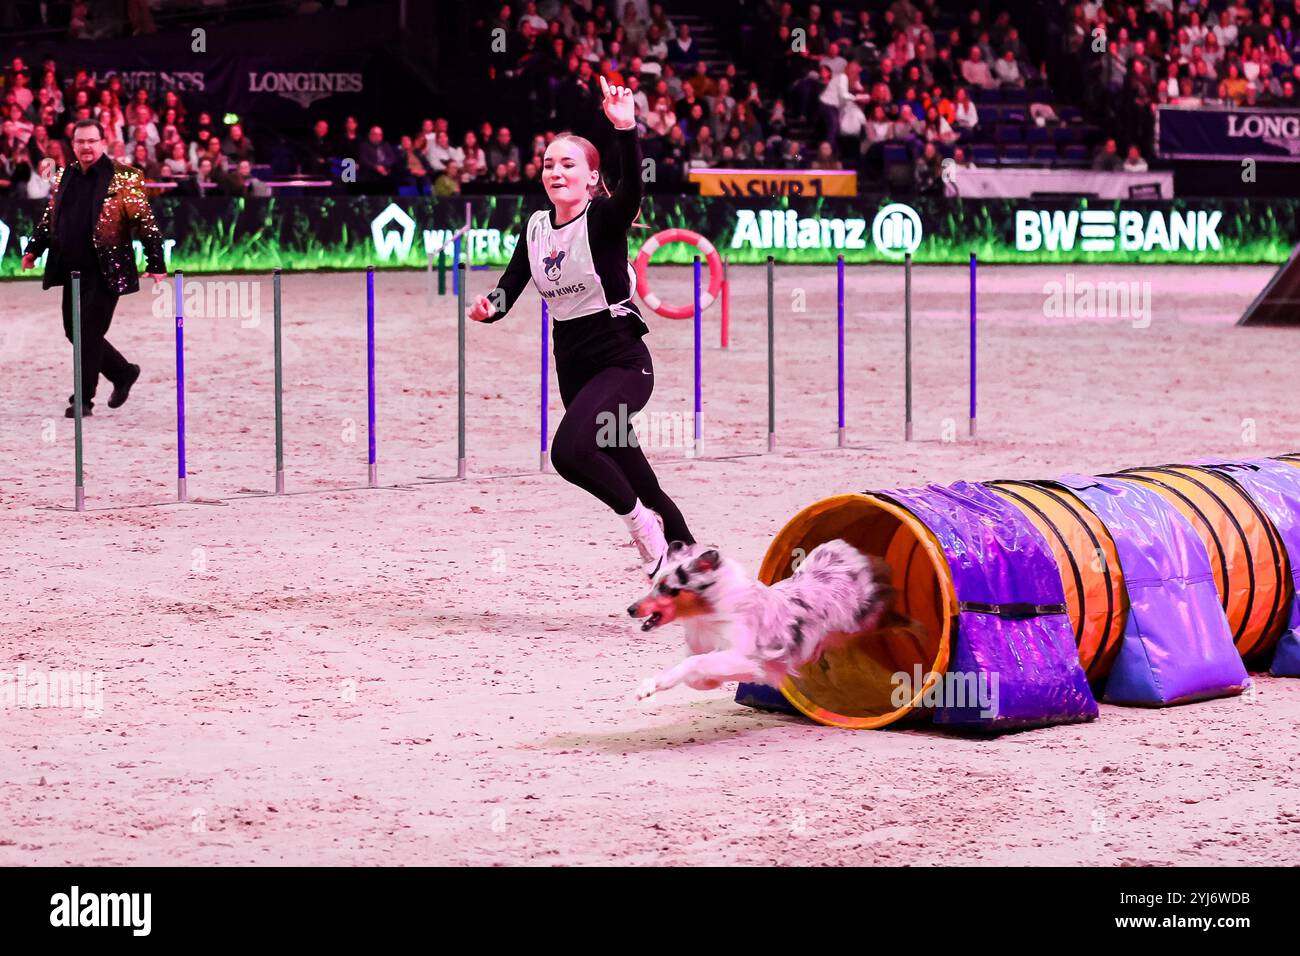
120, 392
71, 411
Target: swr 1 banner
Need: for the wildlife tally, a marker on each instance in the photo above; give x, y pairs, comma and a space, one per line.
1231, 134
775, 182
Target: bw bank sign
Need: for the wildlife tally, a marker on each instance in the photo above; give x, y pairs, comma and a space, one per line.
1126, 230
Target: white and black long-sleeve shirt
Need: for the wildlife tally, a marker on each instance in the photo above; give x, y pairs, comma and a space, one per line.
580, 268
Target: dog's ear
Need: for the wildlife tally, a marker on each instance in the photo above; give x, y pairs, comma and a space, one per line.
676, 546
708, 561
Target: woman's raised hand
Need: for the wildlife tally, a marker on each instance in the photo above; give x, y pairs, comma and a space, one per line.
618, 105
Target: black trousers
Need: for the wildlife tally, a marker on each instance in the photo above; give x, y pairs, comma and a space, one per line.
615, 471
97, 353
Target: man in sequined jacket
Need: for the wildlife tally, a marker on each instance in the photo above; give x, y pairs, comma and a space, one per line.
95, 205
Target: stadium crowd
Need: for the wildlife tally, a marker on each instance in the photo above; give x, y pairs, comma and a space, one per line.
820, 87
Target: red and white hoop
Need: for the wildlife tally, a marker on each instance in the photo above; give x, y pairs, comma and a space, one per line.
710, 255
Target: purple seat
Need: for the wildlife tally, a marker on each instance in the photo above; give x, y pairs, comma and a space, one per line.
896, 153
1043, 154
1015, 154
1074, 155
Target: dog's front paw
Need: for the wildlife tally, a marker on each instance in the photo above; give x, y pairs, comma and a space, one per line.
646, 688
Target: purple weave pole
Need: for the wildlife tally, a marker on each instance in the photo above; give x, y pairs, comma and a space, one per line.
546, 321
972, 345
839, 305
182, 491
699, 429
370, 370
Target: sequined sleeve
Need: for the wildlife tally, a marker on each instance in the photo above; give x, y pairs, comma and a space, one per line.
41, 237
136, 204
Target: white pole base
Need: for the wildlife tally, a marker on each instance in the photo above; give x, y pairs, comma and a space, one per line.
841, 437
907, 432
461, 468
279, 481
182, 489
374, 474
972, 428
771, 441
80, 497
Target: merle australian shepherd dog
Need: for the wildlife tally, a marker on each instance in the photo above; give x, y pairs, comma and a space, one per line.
739, 629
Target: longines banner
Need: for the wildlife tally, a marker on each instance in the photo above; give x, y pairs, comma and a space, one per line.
251, 235
1232, 134
774, 182
291, 87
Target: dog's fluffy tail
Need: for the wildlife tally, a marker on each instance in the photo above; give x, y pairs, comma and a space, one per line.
860, 583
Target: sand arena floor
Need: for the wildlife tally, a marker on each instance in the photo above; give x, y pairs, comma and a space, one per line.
443, 672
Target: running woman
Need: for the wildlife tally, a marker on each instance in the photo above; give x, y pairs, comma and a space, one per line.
576, 254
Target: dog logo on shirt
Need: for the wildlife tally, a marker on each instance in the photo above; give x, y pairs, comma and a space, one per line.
552, 264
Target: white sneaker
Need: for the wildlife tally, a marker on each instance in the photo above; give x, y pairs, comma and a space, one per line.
651, 544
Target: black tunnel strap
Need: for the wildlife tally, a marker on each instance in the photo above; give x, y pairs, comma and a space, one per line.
1011, 612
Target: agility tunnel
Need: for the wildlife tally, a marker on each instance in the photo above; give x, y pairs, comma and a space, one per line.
1148, 587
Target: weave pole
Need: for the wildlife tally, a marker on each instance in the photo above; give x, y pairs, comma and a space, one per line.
279, 392
460, 365
907, 346
79, 489
771, 355
455, 267
839, 316
726, 305
973, 364
442, 271
546, 321
370, 373
699, 423
182, 481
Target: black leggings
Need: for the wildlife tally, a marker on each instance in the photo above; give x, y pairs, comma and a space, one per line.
590, 448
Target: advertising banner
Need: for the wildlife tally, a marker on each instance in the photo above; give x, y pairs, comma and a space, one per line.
1271, 135
775, 182
213, 235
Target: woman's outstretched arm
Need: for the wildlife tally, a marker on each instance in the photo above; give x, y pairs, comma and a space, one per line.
497, 303
620, 108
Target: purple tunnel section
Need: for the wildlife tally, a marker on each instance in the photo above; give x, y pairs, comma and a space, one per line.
1014, 641
1275, 487
1177, 643
762, 697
